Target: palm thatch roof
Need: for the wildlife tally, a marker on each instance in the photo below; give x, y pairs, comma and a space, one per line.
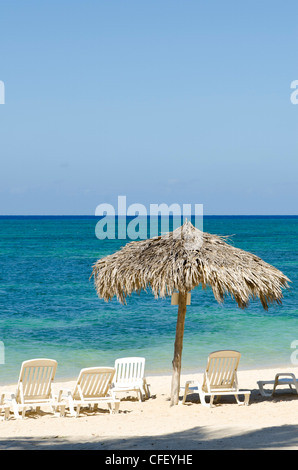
183, 259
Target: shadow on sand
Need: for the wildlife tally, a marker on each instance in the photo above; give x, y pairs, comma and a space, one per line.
198, 438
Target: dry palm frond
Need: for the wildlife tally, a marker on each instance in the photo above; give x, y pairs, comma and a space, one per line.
183, 259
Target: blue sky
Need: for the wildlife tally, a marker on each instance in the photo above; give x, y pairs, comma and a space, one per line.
162, 101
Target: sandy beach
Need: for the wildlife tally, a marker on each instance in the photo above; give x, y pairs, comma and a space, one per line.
267, 423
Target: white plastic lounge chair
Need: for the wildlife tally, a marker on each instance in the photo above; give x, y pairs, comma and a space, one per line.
93, 387
129, 376
34, 388
289, 379
220, 378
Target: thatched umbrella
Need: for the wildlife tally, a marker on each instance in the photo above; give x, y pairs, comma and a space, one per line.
180, 261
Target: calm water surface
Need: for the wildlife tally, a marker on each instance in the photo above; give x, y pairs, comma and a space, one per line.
49, 307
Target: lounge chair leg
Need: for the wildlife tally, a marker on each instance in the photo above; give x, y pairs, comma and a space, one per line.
262, 391
116, 407
185, 393
292, 389
274, 388
71, 405
57, 410
146, 389
203, 401
144, 393
6, 413
237, 400
245, 401
15, 407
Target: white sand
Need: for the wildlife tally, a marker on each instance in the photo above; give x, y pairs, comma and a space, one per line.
267, 423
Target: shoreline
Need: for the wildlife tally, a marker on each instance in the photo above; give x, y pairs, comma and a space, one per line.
267, 423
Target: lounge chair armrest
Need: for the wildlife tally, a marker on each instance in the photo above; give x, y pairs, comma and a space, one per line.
5, 393
63, 392
186, 388
285, 374
4, 396
189, 383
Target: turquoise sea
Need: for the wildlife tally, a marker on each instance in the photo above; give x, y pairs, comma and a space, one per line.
49, 307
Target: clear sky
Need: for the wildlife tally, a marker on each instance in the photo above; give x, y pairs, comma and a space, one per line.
163, 101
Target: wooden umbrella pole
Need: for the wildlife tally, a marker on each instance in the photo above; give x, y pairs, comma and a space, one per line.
175, 388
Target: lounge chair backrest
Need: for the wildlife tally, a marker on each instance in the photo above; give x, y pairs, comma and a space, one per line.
35, 381
93, 382
221, 370
129, 370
